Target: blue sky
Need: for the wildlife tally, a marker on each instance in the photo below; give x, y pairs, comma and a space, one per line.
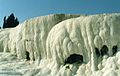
25, 9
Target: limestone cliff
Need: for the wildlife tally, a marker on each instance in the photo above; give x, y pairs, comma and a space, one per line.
51, 39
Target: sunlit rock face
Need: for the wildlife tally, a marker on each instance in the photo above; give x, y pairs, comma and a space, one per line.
67, 45
31, 35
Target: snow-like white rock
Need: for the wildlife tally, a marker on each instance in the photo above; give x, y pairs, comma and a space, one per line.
30, 35
52, 39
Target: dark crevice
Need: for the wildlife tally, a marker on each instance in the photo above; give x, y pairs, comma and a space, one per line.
97, 52
74, 58
114, 50
104, 50
27, 55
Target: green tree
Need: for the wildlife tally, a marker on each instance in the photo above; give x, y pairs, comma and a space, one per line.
10, 22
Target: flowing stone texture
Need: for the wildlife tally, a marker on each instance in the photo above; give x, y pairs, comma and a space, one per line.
51, 39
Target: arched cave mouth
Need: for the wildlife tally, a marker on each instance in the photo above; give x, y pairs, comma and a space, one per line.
74, 58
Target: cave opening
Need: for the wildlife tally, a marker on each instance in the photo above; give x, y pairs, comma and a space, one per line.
97, 52
27, 55
74, 58
104, 50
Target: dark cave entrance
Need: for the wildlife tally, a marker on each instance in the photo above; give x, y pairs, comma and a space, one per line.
74, 58
104, 51
27, 55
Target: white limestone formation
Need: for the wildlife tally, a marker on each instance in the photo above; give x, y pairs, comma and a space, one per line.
51, 39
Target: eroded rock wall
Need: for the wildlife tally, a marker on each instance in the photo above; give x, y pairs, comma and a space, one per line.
52, 39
